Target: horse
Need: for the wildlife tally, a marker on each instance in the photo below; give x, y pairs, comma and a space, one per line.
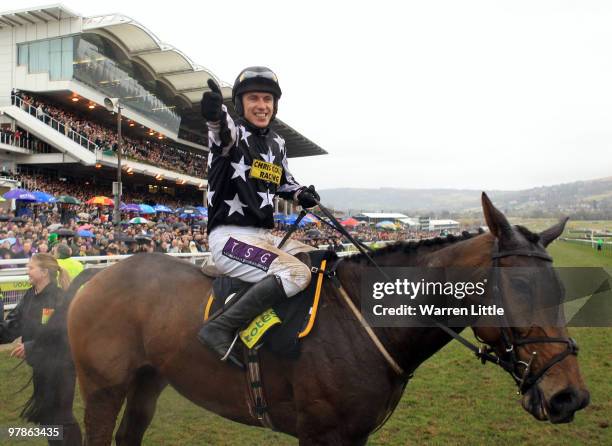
132, 331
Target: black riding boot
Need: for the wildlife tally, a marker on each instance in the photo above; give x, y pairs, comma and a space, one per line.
219, 333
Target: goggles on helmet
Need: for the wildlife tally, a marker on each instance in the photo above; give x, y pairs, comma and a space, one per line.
253, 74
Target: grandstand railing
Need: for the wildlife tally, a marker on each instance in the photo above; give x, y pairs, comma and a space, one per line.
14, 282
68, 132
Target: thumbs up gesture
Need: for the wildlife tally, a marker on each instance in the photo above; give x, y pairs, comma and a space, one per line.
211, 102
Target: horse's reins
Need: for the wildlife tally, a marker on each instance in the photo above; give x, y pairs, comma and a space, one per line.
524, 380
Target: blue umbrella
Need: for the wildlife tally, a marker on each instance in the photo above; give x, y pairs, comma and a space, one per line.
203, 210
291, 218
146, 209
187, 210
20, 194
13, 194
11, 240
279, 216
43, 197
162, 208
85, 233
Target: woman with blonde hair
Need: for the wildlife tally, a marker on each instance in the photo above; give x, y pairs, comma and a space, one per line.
31, 320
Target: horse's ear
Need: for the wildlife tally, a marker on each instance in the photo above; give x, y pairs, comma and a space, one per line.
496, 221
550, 234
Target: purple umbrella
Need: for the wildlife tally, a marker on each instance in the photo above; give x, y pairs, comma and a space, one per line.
20, 194
130, 208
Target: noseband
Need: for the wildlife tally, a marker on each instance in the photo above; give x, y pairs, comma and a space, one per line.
521, 371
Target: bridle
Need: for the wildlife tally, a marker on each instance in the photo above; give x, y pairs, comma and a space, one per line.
526, 378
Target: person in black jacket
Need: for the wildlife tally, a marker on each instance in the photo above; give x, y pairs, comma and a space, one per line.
53, 374
247, 168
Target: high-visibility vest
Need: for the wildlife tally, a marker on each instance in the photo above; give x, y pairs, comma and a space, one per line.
72, 266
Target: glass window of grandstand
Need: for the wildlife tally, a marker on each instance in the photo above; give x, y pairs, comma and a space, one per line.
53, 56
102, 65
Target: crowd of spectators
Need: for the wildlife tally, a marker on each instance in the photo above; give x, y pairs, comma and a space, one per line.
22, 139
25, 236
83, 189
150, 151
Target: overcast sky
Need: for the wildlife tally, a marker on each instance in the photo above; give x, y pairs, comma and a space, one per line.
429, 94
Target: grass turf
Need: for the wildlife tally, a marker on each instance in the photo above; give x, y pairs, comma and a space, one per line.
451, 400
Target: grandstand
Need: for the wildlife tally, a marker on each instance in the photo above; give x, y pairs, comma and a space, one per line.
57, 68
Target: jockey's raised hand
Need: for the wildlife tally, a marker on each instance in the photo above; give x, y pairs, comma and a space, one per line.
213, 112
212, 102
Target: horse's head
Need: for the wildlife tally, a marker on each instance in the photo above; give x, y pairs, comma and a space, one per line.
541, 357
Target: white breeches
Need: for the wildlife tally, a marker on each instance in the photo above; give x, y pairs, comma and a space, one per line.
250, 254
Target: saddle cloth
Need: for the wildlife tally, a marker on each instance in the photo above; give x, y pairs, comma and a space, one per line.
297, 314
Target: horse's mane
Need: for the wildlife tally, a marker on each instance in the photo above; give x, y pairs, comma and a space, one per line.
413, 246
530, 236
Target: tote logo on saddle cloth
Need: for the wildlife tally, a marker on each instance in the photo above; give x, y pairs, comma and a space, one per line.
262, 170
249, 254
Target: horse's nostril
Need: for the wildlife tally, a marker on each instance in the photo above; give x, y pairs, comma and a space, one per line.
565, 403
562, 398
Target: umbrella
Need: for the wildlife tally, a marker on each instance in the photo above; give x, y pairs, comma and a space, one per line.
140, 239
279, 216
162, 208
43, 197
138, 221
308, 218
18, 219
67, 199
291, 218
351, 222
163, 226
11, 240
179, 224
146, 209
63, 232
100, 200
14, 194
187, 210
132, 207
387, 224
314, 233
85, 233
202, 210
23, 196
122, 237
54, 226
4, 217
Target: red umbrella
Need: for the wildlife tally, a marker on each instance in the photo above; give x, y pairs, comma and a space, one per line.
351, 222
100, 200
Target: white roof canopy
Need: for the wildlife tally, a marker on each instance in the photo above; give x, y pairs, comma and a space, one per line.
32, 16
164, 61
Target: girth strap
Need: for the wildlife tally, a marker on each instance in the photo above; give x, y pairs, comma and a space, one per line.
257, 400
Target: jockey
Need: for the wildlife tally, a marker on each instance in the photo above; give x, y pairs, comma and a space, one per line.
247, 168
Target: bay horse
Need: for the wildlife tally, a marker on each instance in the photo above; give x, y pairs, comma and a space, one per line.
132, 331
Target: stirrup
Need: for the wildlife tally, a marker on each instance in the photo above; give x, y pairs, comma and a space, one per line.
230, 348
231, 357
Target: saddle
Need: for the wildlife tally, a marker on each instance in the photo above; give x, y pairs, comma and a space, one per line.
286, 323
